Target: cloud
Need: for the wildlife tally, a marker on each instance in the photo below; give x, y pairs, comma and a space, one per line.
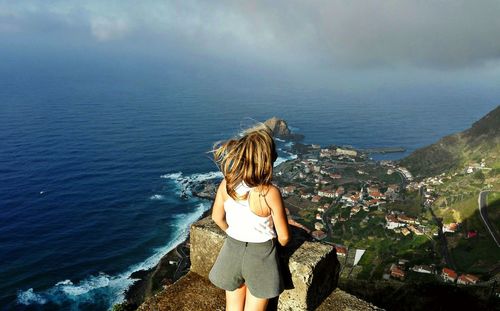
105, 29
330, 33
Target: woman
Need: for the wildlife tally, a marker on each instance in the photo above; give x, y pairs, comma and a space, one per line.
250, 210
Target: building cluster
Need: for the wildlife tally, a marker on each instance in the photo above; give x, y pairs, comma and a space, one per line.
342, 153
426, 188
367, 198
404, 224
400, 272
392, 167
449, 275
325, 178
318, 177
474, 167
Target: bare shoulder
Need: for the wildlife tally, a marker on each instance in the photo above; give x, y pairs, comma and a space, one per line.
222, 183
272, 191
273, 196
221, 190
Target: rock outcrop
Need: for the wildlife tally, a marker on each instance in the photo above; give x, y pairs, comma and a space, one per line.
281, 130
311, 272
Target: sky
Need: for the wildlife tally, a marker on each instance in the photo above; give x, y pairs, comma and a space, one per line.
317, 39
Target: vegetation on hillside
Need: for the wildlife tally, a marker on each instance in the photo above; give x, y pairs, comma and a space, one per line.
453, 152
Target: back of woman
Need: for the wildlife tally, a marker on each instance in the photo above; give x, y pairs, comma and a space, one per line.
250, 210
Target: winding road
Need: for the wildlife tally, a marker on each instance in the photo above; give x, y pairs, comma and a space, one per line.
482, 204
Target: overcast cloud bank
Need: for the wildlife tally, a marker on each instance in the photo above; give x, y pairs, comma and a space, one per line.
439, 35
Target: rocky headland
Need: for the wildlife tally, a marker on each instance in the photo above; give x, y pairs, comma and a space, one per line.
280, 129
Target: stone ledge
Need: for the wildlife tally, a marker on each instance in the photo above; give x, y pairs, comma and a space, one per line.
311, 272
310, 269
192, 292
195, 293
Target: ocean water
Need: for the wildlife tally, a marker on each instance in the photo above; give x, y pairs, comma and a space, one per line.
93, 157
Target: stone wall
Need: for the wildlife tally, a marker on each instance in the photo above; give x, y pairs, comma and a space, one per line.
311, 272
311, 269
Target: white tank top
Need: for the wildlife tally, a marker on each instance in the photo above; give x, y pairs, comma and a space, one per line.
243, 224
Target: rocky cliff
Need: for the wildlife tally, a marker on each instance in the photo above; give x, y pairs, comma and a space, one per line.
281, 130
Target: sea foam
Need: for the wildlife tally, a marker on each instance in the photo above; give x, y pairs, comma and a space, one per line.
157, 197
110, 288
185, 183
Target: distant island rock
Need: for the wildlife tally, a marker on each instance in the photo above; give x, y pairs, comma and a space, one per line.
280, 129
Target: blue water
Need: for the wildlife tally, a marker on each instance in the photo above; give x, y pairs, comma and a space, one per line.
91, 154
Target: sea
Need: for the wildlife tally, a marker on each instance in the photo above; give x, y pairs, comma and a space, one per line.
95, 154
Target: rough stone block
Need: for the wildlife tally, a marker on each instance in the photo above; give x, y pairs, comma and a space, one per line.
206, 240
313, 268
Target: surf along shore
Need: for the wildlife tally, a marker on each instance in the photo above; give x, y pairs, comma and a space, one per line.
171, 267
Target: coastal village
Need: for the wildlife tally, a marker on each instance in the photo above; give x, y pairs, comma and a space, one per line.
374, 213
393, 229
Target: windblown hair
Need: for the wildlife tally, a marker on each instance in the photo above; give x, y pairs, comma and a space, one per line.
248, 159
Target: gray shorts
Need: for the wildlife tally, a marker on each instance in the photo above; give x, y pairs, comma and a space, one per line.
255, 264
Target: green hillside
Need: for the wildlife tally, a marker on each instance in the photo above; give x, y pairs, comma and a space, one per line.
454, 152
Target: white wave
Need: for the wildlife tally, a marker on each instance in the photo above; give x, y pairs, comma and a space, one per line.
279, 139
205, 176
157, 197
89, 290
280, 160
184, 183
103, 286
172, 175
182, 224
290, 156
28, 297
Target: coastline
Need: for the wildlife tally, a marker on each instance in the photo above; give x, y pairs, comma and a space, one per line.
163, 274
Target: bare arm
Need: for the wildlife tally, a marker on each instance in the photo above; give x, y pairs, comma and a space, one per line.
218, 212
275, 202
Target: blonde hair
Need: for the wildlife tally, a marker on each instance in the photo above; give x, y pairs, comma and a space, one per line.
248, 159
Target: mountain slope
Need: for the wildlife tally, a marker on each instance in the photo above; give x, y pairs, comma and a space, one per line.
453, 152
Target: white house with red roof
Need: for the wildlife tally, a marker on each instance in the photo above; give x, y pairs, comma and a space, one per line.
341, 250
397, 272
467, 279
315, 199
288, 190
376, 195
451, 227
392, 222
449, 275
318, 234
